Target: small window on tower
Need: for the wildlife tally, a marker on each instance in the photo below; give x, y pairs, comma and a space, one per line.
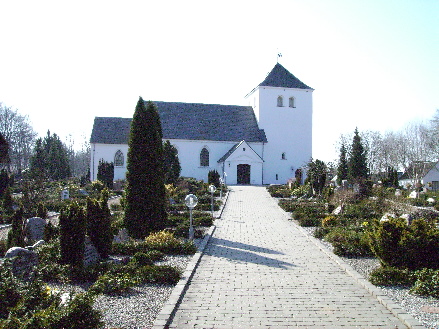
280, 101
292, 102
283, 156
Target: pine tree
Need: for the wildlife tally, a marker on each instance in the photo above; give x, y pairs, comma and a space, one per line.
342, 169
145, 210
172, 165
357, 165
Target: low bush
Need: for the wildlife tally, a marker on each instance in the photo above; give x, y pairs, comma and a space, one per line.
279, 191
391, 276
349, 242
427, 283
397, 244
307, 221
167, 243
158, 274
117, 283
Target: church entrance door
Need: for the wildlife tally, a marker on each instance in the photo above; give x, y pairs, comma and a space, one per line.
243, 174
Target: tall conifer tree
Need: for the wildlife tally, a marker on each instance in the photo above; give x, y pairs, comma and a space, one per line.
342, 169
145, 193
357, 161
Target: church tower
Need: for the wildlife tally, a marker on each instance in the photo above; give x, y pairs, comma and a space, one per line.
283, 108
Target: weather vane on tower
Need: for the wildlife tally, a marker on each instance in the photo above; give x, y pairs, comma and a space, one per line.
278, 56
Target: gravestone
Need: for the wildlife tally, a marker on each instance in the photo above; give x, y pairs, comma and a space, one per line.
387, 216
122, 236
23, 261
338, 210
398, 192
91, 255
34, 229
65, 194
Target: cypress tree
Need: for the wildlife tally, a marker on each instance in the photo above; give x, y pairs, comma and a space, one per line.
342, 169
357, 166
72, 228
16, 233
145, 210
172, 165
106, 173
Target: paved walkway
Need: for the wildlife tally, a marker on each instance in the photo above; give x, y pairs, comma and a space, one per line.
260, 270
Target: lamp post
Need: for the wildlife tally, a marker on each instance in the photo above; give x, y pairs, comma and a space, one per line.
221, 187
191, 201
212, 190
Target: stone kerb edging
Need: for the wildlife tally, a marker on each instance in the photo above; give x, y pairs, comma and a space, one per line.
220, 212
168, 311
388, 303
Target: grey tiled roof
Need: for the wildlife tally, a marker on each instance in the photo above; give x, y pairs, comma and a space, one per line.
191, 121
281, 77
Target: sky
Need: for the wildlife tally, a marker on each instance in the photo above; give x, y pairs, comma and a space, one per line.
372, 64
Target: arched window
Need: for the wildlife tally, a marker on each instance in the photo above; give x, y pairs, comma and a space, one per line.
119, 159
204, 157
283, 156
292, 102
280, 101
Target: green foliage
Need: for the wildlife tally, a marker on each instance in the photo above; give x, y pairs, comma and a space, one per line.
72, 224
8, 202
427, 283
279, 191
117, 283
342, 168
213, 177
32, 304
349, 242
317, 171
99, 224
172, 167
167, 243
391, 276
145, 193
4, 182
50, 158
161, 274
398, 245
106, 173
16, 233
141, 259
4, 149
51, 232
357, 164
41, 211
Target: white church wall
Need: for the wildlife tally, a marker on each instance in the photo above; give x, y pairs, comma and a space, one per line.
189, 156
107, 153
288, 130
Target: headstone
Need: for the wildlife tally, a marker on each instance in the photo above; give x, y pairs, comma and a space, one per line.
34, 229
344, 183
35, 245
413, 195
91, 255
430, 200
23, 262
408, 218
398, 192
65, 195
387, 216
122, 236
338, 210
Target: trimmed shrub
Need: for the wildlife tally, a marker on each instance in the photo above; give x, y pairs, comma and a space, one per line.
158, 274
213, 177
391, 276
72, 224
117, 283
349, 242
16, 233
99, 225
412, 247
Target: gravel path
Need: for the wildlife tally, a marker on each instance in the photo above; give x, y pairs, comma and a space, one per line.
424, 309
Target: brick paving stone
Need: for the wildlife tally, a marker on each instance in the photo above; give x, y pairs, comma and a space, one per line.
259, 270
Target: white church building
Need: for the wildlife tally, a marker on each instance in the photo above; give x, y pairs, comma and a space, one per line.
267, 142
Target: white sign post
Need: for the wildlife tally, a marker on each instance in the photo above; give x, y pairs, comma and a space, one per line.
191, 201
212, 190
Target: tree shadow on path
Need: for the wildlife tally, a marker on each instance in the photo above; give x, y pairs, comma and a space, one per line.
244, 253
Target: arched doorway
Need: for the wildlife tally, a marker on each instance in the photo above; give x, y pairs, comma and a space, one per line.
243, 174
